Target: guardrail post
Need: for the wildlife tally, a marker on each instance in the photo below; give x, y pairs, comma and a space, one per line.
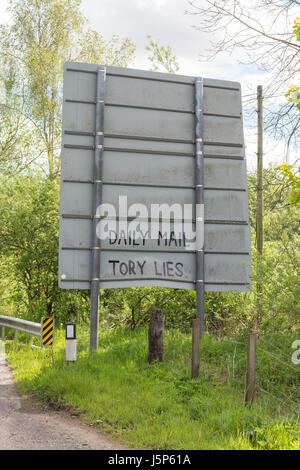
16, 334
2, 332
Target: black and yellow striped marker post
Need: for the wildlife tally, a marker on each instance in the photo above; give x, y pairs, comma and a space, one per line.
47, 331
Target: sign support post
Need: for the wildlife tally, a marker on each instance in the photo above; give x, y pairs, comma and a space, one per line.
97, 199
199, 200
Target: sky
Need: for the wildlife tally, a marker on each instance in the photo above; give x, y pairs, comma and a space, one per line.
168, 22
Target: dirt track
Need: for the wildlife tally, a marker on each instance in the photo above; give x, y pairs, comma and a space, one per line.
25, 425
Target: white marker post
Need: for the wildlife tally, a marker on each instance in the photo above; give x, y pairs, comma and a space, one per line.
71, 350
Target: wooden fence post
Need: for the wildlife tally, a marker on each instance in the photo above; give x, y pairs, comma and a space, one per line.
195, 347
250, 373
156, 335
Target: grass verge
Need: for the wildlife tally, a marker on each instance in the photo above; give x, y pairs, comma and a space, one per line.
159, 406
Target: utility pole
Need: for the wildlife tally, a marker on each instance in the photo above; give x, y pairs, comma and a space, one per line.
260, 202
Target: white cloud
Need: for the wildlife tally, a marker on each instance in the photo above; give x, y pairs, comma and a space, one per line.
3, 15
166, 21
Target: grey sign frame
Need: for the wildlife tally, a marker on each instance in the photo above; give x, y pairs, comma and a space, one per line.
195, 153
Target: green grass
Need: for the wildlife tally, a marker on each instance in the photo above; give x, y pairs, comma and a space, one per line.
159, 406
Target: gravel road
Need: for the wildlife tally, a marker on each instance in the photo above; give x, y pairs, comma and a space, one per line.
25, 425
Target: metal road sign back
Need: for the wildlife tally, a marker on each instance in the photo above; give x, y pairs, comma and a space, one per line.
166, 139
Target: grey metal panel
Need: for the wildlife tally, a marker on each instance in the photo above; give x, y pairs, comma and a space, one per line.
152, 123
74, 265
219, 204
155, 146
77, 164
166, 139
76, 198
153, 169
157, 283
227, 268
74, 284
155, 94
220, 101
76, 233
148, 169
147, 196
140, 283
227, 287
220, 173
148, 75
218, 238
223, 130
145, 265
82, 140
121, 144
131, 167
179, 267
225, 205
222, 151
79, 117
142, 244
175, 266
229, 238
79, 86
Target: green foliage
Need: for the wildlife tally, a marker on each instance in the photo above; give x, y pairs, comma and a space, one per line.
296, 28
289, 173
28, 257
293, 181
293, 93
41, 37
277, 378
155, 406
93, 48
276, 272
159, 406
162, 57
132, 306
35, 44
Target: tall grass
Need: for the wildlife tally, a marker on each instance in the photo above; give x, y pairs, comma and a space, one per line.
159, 406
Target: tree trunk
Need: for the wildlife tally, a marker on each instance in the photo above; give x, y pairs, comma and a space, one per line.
156, 335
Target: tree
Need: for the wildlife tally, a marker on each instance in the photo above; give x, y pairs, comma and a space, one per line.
42, 35
161, 57
291, 174
29, 248
294, 91
28, 239
260, 34
291, 177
